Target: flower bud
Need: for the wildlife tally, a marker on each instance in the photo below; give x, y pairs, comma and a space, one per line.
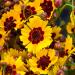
58, 3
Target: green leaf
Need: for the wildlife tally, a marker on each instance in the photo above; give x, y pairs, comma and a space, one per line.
70, 72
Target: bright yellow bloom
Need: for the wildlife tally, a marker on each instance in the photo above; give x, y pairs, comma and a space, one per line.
10, 20
14, 66
17, 8
70, 28
34, 3
64, 55
43, 61
36, 34
72, 17
48, 7
28, 8
54, 69
56, 32
41, 6
69, 48
68, 43
0, 71
16, 53
67, 52
2, 36
71, 25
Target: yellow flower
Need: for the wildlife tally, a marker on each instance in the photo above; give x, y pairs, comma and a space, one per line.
34, 3
29, 8
72, 17
2, 36
14, 66
16, 53
43, 61
48, 7
67, 52
0, 71
70, 28
36, 34
69, 48
42, 7
68, 43
71, 25
10, 20
56, 32
17, 7
13, 52
54, 69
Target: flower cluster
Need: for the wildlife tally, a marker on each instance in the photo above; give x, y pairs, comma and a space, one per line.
36, 36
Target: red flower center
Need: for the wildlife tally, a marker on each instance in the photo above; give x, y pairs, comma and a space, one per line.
43, 62
63, 53
36, 35
10, 70
9, 24
30, 73
27, 12
0, 35
53, 35
47, 6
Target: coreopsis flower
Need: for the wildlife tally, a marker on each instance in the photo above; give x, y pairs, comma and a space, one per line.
36, 34
3, 34
72, 16
30, 8
27, 12
70, 28
48, 7
43, 61
64, 55
16, 53
17, 7
10, 21
0, 71
56, 70
33, 3
71, 25
56, 32
42, 6
13, 66
67, 51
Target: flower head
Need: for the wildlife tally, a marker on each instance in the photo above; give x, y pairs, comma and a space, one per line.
36, 34
48, 7
13, 66
43, 61
3, 34
10, 20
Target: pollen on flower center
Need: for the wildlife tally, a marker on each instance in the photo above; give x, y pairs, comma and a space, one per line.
9, 24
36, 35
43, 62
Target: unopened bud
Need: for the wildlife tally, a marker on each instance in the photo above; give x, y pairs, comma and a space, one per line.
7, 3
58, 3
57, 45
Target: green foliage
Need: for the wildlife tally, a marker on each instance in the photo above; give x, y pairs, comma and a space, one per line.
70, 72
